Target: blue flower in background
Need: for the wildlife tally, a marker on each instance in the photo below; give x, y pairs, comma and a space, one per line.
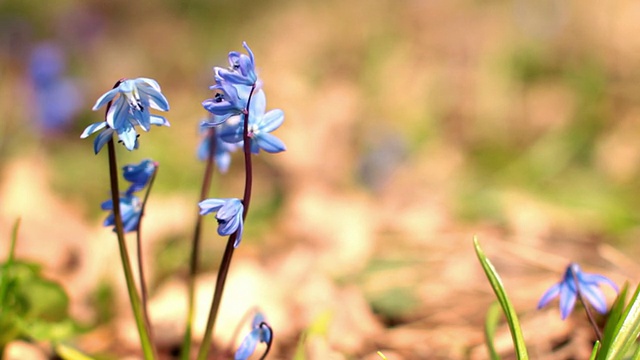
228, 214
223, 150
260, 126
139, 175
57, 97
130, 209
260, 333
566, 289
242, 69
131, 108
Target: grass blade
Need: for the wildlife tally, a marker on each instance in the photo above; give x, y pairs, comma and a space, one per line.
490, 326
507, 308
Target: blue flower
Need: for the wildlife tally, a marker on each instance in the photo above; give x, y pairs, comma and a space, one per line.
57, 98
226, 102
260, 332
130, 210
223, 149
229, 215
260, 126
242, 69
139, 175
568, 292
131, 108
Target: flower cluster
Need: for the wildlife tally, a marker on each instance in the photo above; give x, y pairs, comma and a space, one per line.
587, 286
130, 109
130, 205
239, 98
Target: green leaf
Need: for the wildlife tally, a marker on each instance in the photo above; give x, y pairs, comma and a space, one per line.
490, 326
6, 275
626, 330
507, 308
594, 352
69, 353
615, 314
41, 330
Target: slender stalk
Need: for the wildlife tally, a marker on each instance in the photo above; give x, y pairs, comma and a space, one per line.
266, 351
228, 251
592, 320
143, 283
138, 313
195, 246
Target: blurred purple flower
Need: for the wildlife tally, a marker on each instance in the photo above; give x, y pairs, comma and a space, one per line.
130, 210
223, 150
57, 98
138, 175
260, 332
228, 214
568, 291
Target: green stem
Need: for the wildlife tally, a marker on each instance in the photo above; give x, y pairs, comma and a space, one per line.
228, 251
143, 283
136, 305
195, 246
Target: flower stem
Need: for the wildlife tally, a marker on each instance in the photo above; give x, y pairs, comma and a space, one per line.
590, 316
228, 251
145, 341
143, 283
195, 247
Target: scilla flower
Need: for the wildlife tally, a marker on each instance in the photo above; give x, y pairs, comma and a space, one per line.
131, 108
228, 214
588, 285
226, 103
138, 175
260, 332
130, 209
242, 70
261, 124
223, 150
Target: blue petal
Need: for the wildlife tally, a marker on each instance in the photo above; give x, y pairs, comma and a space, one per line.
594, 296
271, 120
257, 107
223, 160
233, 77
265, 334
211, 205
93, 128
102, 139
156, 99
248, 345
107, 205
118, 114
239, 231
549, 295
567, 301
159, 120
269, 143
232, 133
128, 136
596, 279
105, 98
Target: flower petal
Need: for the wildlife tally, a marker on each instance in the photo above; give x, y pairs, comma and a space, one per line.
594, 296
248, 345
105, 98
272, 120
156, 99
549, 295
128, 135
93, 128
567, 300
257, 107
597, 279
269, 143
211, 205
102, 139
159, 120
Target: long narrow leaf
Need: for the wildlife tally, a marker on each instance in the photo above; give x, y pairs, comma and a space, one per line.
507, 308
627, 329
4, 279
69, 353
594, 352
615, 314
490, 326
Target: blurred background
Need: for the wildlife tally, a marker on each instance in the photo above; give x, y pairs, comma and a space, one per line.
410, 125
